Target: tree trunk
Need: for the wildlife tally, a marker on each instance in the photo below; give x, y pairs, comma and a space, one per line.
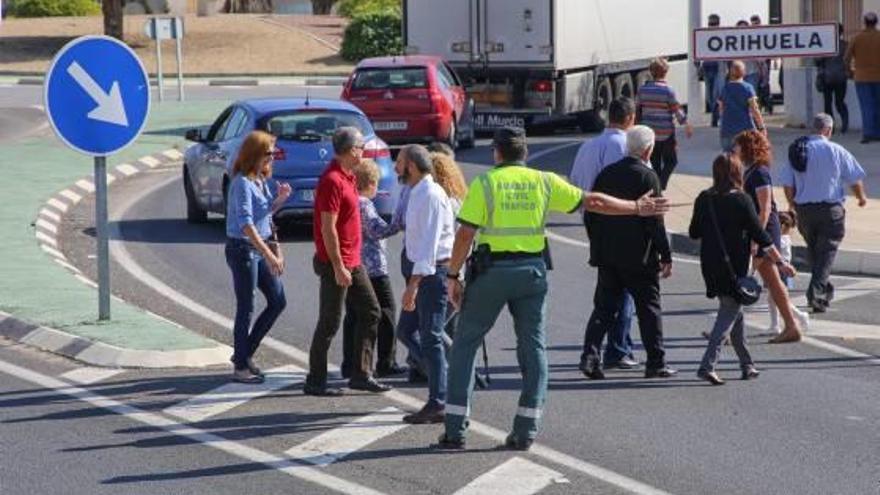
249, 6
322, 7
112, 18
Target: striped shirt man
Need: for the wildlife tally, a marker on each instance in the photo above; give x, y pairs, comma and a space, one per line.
658, 108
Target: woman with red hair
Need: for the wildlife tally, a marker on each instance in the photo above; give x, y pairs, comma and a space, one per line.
754, 149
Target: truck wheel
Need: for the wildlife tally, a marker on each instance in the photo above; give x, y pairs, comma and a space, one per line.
470, 137
595, 119
641, 78
194, 214
623, 86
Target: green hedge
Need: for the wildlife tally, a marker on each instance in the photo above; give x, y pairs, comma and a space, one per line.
354, 8
373, 35
53, 8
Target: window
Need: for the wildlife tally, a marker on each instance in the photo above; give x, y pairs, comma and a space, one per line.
310, 125
447, 73
395, 78
219, 126
236, 124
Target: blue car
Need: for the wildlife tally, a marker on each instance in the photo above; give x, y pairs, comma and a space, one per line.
304, 128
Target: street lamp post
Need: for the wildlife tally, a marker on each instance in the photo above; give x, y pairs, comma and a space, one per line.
695, 94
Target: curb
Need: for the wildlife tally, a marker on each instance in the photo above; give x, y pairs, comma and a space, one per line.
97, 353
171, 81
848, 262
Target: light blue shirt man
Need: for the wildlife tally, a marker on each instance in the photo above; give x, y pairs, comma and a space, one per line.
596, 154
830, 169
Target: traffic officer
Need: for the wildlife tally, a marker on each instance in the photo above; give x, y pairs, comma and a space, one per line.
508, 207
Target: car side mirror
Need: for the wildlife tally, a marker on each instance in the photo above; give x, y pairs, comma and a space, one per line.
194, 135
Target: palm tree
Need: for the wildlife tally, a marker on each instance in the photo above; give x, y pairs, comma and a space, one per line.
112, 10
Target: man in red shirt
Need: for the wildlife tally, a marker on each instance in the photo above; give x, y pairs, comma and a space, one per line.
337, 233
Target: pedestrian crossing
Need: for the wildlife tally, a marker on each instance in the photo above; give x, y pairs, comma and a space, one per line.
330, 447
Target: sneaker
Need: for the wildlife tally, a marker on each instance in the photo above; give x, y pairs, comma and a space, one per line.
774, 330
803, 319
244, 375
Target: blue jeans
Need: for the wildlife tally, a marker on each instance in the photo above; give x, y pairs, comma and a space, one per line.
408, 322
869, 103
712, 93
619, 340
249, 272
431, 308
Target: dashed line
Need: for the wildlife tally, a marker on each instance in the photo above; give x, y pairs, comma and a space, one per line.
53, 252
46, 225
126, 169
51, 215
47, 239
85, 186
150, 161
67, 265
72, 196
58, 205
173, 154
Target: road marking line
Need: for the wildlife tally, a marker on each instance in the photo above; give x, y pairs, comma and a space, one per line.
67, 265
85, 186
47, 239
242, 451
86, 281
126, 169
58, 205
44, 224
150, 161
338, 443
232, 395
110, 178
123, 257
88, 375
50, 215
72, 196
173, 154
53, 252
514, 477
554, 149
867, 358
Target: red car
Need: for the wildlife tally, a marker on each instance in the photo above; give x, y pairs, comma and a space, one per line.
413, 99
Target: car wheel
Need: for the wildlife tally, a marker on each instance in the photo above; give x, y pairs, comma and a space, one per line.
452, 140
194, 214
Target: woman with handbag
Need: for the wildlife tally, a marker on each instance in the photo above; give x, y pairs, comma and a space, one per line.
725, 220
252, 250
753, 148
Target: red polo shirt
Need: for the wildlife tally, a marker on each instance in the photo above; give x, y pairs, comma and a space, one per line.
337, 193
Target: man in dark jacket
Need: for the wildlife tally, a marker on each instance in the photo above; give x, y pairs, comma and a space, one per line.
632, 254
832, 81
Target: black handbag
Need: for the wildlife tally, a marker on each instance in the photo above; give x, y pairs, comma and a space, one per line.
747, 290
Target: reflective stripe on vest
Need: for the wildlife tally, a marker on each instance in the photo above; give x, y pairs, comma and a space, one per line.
489, 197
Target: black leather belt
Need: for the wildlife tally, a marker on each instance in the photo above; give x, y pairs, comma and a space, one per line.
514, 255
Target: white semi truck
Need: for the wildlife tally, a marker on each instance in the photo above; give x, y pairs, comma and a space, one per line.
533, 61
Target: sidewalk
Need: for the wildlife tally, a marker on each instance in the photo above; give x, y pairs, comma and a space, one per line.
42, 302
860, 251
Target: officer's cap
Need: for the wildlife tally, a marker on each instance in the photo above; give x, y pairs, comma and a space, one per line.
507, 136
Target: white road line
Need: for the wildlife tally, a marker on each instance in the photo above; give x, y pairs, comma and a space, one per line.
46, 225
88, 375
47, 239
67, 265
843, 351
72, 196
85, 185
126, 169
86, 281
329, 447
173, 154
110, 178
554, 149
51, 215
150, 161
515, 477
52, 252
232, 395
239, 450
58, 205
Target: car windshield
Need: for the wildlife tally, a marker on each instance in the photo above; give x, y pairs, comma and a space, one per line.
312, 125
394, 78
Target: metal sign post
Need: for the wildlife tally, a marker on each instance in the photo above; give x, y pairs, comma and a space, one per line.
167, 28
97, 99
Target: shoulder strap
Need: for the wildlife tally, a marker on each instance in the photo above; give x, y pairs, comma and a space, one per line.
710, 199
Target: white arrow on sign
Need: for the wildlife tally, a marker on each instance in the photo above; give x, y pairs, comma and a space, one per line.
110, 108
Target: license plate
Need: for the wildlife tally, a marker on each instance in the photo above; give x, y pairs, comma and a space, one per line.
390, 126
307, 195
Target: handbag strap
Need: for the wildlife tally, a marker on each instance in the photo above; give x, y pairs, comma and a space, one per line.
711, 200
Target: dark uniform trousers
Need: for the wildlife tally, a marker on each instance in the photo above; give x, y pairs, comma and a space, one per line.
644, 286
823, 226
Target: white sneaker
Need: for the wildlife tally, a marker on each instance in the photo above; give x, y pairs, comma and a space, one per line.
803, 319
774, 330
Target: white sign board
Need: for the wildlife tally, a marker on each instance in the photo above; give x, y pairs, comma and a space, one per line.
769, 41
164, 28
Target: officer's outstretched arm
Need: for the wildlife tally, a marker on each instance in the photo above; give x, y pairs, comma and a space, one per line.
646, 206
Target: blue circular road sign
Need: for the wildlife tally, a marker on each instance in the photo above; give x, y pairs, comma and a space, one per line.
97, 95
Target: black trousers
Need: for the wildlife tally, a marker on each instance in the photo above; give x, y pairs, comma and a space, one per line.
644, 286
823, 226
386, 347
837, 93
664, 159
332, 300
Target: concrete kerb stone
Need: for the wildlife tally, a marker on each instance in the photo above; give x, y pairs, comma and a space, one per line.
232, 80
89, 351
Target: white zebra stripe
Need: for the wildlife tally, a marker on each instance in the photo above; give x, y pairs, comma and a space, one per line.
72, 196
